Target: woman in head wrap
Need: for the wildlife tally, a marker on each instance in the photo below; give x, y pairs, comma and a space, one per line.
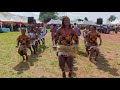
23, 39
66, 36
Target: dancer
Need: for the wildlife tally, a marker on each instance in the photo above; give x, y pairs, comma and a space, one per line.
85, 32
66, 37
32, 37
23, 39
43, 33
92, 40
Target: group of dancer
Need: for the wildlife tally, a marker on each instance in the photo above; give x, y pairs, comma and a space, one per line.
69, 36
35, 35
63, 36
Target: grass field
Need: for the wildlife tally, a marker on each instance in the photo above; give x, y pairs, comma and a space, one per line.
45, 63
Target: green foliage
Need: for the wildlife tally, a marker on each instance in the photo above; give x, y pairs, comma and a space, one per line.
86, 18
47, 16
112, 18
80, 20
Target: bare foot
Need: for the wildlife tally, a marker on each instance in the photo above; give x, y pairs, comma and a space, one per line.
64, 75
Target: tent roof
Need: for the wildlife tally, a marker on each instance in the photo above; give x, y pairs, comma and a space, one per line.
6, 16
117, 21
74, 21
55, 21
89, 22
3, 18
37, 21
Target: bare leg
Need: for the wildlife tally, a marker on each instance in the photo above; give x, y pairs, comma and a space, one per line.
31, 50
62, 65
87, 50
44, 41
23, 57
70, 65
33, 46
26, 56
36, 45
39, 42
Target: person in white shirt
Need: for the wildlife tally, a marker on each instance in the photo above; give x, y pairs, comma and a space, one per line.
43, 33
31, 35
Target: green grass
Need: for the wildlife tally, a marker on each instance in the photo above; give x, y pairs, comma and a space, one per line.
45, 64
48, 30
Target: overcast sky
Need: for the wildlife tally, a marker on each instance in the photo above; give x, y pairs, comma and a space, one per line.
74, 15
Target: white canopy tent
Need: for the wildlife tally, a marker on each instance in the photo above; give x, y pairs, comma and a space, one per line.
16, 19
74, 21
89, 22
37, 21
116, 21
108, 22
52, 21
24, 19
2, 18
80, 22
59, 21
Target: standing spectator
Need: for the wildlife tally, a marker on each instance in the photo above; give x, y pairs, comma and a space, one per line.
53, 31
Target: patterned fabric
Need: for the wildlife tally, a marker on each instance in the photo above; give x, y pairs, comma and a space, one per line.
93, 47
23, 39
32, 38
22, 48
66, 42
92, 38
66, 38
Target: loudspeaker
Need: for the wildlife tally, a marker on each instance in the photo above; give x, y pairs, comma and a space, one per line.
30, 20
99, 21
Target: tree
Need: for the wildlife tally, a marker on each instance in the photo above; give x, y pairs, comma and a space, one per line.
86, 18
80, 20
47, 16
112, 18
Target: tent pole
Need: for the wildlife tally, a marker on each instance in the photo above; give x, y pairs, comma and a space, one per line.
20, 25
12, 27
1, 24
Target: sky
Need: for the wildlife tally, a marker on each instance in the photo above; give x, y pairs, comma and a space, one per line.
75, 15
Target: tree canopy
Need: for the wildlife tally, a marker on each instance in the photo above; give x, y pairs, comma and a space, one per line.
86, 18
47, 16
112, 18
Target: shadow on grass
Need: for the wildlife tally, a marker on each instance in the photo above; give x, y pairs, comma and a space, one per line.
82, 53
74, 69
102, 64
42, 48
24, 66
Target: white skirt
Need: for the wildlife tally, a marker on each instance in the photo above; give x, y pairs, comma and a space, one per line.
42, 35
32, 43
